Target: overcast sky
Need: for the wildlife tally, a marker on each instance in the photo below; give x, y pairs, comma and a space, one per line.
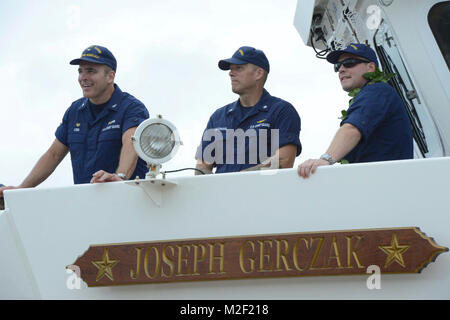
167, 53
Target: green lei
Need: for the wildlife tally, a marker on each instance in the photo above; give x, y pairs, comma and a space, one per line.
373, 77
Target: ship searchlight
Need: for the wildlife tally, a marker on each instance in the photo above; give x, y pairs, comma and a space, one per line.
156, 141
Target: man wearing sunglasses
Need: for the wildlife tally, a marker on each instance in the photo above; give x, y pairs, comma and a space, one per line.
376, 127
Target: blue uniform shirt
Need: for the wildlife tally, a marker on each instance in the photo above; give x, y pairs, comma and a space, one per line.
95, 143
381, 118
255, 124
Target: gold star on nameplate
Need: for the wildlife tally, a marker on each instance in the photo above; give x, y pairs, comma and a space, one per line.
105, 266
394, 252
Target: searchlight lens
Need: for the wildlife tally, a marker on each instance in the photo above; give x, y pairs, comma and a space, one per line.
156, 141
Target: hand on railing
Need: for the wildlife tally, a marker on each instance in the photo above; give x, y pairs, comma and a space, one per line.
2, 200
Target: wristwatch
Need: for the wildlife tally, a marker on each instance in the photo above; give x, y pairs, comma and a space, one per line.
122, 176
328, 158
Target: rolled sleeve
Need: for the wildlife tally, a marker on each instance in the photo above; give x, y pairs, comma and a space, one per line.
136, 113
288, 123
61, 131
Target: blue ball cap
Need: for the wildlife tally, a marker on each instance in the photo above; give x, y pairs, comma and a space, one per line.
97, 54
246, 55
357, 49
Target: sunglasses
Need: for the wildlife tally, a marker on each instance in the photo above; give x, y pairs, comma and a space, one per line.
348, 63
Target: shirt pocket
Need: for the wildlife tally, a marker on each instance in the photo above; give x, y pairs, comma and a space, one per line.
76, 144
110, 142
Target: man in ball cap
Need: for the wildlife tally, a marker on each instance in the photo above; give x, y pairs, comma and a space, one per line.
256, 131
376, 126
96, 129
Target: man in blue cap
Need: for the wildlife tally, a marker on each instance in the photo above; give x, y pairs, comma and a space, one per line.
376, 127
256, 131
96, 129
